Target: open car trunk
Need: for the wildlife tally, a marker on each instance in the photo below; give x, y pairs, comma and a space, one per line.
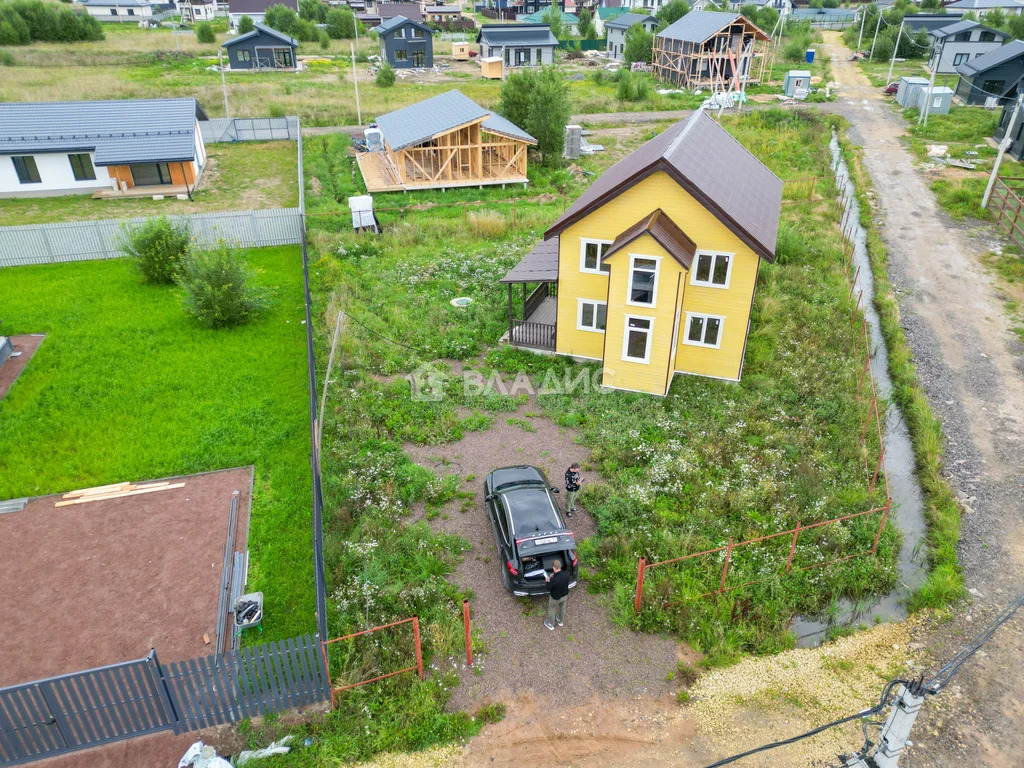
537, 553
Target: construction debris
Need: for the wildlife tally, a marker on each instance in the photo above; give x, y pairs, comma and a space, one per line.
115, 491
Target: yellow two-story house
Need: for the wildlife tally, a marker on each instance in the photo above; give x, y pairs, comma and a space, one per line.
652, 270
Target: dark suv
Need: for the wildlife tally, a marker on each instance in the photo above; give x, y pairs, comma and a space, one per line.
528, 529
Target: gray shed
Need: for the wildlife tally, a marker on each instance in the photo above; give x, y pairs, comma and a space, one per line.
797, 79
941, 100
405, 43
263, 48
906, 93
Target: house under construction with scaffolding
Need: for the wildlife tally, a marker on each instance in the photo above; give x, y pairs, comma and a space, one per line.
712, 50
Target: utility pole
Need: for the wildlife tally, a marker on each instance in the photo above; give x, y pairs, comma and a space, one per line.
863, 17
895, 50
895, 735
923, 117
1003, 146
223, 82
875, 38
355, 82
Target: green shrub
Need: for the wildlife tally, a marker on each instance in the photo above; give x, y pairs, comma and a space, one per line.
491, 713
385, 75
245, 25
204, 33
158, 248
325, 40
219, 287
6, 59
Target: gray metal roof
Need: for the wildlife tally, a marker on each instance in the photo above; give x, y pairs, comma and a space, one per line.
422, 121
259, 6
257, 29
387, 25
539, 265
627, 20
409, 10
993, 58
953, 29
697, 26
516, 34
969, 4
120, 132
118, 3
712, 166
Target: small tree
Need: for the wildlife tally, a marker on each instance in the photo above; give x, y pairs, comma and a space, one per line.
671, 12
283, 19
325, 40
994, 18
219, 287
514, 99
204, 33
553, 17
586, 28
246, 25
158, 248
639, 43
313, 10
341, 23
549, 114
385, 75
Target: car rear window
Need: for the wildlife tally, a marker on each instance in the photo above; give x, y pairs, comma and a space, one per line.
530, 510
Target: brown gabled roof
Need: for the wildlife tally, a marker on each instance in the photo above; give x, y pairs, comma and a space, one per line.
669, 236
710, 165
539, 265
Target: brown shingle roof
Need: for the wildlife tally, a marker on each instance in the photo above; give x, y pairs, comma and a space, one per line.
669, 236
709, 164
539, 265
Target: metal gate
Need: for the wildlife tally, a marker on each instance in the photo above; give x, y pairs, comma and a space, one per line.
83, 709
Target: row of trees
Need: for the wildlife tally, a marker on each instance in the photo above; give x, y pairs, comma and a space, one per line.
537, 100
912, 45
340, 22
26, 21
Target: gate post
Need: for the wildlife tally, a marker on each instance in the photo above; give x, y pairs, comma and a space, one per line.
639, 594
419, 650
465, 624
156, 671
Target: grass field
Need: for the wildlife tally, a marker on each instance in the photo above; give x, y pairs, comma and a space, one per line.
127, 387
238, 176
878, 72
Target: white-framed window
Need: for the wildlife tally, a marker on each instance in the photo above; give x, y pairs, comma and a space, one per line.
591, 315
400, 33
636, 340
591, 254
960, 58
703, 330
643, 281
712, 269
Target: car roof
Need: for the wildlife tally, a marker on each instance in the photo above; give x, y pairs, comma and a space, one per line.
516, 475
530, 510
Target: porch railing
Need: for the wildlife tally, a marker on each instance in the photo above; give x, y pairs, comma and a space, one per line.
529, 334
535, 299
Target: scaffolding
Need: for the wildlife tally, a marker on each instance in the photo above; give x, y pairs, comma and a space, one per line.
739, 53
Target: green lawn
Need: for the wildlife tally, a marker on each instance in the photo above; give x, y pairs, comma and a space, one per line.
878, 71
127, 387
238, 176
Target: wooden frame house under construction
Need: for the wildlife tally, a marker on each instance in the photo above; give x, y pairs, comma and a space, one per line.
446, 141
709, 49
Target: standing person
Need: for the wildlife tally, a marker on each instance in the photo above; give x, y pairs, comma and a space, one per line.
573, 480
558, 594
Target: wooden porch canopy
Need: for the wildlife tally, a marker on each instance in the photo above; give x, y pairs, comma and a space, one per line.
539, 265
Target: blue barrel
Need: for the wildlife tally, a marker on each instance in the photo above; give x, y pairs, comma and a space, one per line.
809, 56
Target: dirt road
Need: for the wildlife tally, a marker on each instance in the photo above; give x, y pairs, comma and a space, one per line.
972, 370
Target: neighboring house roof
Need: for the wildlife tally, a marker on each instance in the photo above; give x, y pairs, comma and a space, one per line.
611, 12
257, 29
539, 265
118, 3
442, 9
978, 4
627, 20
516, 34
541, 17
710, 165
422, 121
388, 26
963, 26
409, 10
259, 6
993, 58
698, 26
824, 14
664, 231
120, 132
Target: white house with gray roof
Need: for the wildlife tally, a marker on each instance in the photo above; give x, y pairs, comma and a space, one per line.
518, 45
1013, 7
616, 30
75, 147
119, 10
959, 43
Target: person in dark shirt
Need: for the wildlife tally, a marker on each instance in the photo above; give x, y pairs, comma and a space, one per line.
573, 479
558, 594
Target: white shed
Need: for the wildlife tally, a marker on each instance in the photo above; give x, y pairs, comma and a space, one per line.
797, 79
941, 99
906, 93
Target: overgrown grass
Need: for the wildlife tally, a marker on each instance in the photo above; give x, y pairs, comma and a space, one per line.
238, 176
945, 581
961, 198
878, 71
127, 387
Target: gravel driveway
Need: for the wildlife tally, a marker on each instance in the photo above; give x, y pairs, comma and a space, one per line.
588, 656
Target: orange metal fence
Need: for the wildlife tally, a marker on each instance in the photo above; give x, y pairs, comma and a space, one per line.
862, 345
418, 666
1007, 207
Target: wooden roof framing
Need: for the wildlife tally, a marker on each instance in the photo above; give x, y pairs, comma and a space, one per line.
718, 60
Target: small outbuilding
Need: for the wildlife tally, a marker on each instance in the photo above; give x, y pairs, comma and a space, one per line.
460, 51
941, 100
406, 44
518, 45
491, 67
263, 48
907, 90
797, 80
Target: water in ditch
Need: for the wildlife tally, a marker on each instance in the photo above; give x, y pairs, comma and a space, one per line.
907, 512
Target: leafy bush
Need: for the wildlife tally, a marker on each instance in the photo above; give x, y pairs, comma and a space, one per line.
283, 19
386, 75
219, 287
341, 23
246, 25
22, 21
6, 59
639, 43
537, 100
158, 248
325, 40
632, 86
204, 33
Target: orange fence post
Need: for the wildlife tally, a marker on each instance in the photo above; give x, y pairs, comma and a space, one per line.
419, 649
465, 624
327, 666
639, 594
881, 525
725, 567
810, 195
878, 467
792, 546
853, 283
867, 421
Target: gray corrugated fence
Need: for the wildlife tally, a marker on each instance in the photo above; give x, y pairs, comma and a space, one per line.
225, 129
85, 709
101, 239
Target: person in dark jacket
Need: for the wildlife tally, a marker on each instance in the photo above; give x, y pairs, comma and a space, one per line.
558, 594
573, 479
